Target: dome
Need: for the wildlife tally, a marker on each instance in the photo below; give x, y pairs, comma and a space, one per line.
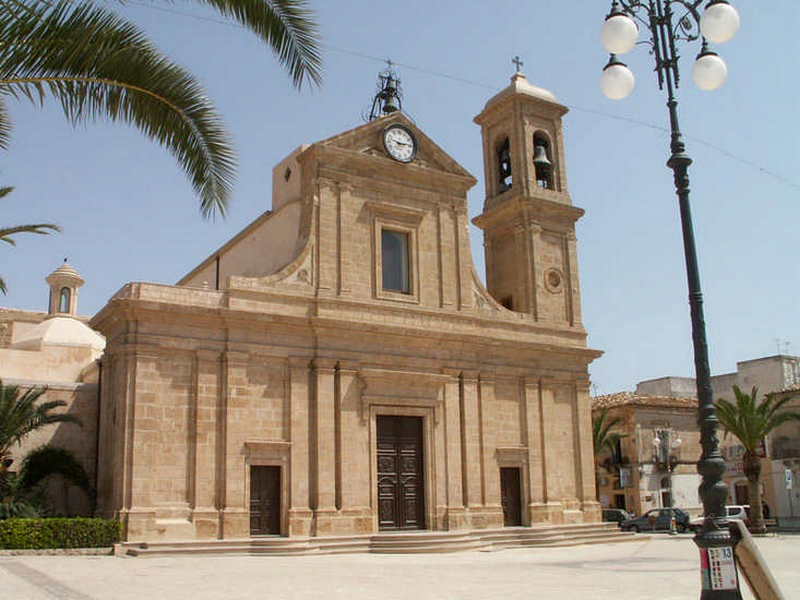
61, 331
65, 274
521, 86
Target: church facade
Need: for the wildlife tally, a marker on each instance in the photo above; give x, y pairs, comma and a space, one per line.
339, 368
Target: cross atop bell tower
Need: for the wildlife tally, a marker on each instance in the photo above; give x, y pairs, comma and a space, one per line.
528, 219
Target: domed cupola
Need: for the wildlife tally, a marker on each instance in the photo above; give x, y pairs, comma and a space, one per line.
64, 283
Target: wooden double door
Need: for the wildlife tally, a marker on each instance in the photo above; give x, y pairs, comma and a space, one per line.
401, 488
265, 500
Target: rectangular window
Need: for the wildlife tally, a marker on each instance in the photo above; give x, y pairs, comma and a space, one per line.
394, 261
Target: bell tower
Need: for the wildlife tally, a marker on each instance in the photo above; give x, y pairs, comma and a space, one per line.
528, 220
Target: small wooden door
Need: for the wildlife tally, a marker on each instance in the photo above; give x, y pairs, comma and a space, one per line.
265, 500
400, 482
510, 491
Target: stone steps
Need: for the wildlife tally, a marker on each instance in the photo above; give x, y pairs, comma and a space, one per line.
418, 542
391, 543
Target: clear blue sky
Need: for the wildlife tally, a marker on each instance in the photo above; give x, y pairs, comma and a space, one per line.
128, 213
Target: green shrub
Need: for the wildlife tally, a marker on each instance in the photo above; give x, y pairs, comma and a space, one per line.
38, 534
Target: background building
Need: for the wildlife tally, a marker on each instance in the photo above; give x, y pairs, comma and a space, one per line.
57, 349
654, 464
772, 374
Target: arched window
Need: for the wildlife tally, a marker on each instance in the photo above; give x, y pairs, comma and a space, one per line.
504, 165
64, 298
542, 162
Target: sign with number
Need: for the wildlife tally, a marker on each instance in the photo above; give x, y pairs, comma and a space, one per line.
788, 479
719, 568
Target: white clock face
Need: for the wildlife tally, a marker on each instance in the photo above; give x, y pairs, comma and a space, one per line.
399, 143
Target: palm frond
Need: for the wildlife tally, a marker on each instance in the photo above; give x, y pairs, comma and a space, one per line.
21, 413
45, 461
38, 228
289, 29
5, 132
97, 64
750, 420
602, 436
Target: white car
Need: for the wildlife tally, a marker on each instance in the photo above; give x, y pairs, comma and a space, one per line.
739, 512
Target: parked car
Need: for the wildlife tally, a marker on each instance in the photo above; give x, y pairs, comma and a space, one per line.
740, 512
616, 515
658, 519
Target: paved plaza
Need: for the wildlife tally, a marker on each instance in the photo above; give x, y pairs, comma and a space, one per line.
659, 566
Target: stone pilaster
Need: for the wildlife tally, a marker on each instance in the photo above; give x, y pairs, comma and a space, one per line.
205, 509
300, 514
454, 493
324, 447
235, 521
585, 459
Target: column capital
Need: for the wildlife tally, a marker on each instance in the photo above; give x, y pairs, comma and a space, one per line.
203, 355
321, 364
299, 362
236, 357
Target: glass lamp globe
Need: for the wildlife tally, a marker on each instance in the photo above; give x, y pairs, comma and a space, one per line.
720, 22
617, 80
709, 71
619, 34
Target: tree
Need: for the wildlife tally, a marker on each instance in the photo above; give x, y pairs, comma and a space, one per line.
603, 439
96, 63
22, 413
750, 421
7, 232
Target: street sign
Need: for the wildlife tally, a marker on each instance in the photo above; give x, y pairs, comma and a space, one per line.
788, 479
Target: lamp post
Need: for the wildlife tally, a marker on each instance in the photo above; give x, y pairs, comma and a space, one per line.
718, 23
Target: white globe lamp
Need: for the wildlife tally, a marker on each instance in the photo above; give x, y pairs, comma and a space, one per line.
619, 33
709, 71
617, 80
719, 22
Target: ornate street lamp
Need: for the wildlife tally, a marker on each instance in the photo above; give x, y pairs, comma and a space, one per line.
718, 23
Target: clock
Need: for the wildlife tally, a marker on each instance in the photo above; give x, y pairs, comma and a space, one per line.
399, 143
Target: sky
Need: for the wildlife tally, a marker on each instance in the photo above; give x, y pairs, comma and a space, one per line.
128, 212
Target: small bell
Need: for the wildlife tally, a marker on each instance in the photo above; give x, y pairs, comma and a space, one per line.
542, 165
540, 159
390, 102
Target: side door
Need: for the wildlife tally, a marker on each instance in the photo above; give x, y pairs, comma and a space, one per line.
663, 519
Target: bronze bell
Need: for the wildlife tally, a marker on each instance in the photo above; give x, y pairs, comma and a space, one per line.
540, 159
390, 104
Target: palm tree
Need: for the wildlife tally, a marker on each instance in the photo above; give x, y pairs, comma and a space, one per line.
22, 413
96, 63
750, 421
603, 439
7, 232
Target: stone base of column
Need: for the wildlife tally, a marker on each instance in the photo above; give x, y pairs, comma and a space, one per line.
592, 511
206, 523
235, 523
485, 517
546, 512
350, 521
452, 518
299, 522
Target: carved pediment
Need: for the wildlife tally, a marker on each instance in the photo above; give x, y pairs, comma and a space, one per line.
367, 140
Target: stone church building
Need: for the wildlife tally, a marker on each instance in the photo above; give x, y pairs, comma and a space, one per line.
339, 368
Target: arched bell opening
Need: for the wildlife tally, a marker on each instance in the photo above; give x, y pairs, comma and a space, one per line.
64, 300
542, 162
504, 177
